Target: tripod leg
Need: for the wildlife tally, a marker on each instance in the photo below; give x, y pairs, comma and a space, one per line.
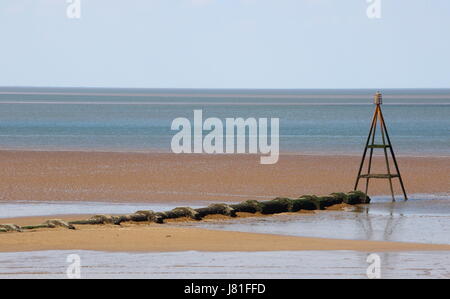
365, 150
367, 190
383, 129
394, 159
369, 167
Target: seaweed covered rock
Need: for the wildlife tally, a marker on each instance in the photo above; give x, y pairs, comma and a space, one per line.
319, 205
357, 197
328, 201
180, 212
303, 204
217, 209
144, 215
44, 225
10, 228
277, 205
125, 218
52, 223
103, 219
97, 219
340, 197
139, 216
249, 206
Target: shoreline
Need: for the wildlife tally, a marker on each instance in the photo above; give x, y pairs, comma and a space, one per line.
182, 234
157, 151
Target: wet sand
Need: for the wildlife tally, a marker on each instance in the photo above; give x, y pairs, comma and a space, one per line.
33, 220
153, 177
159, 238
224, 265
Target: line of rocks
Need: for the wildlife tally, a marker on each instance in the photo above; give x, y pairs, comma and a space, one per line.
277, 205
52, 223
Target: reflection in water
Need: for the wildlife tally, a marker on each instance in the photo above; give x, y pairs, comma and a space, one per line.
422, 221
208, 265
392, 221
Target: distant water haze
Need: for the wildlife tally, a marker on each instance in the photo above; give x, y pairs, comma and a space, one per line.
311, 121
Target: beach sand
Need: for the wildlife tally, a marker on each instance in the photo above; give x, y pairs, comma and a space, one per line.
153, 177
163, 238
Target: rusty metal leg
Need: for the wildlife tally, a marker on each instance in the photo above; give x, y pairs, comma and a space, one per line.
383, 129
394, 159
365, 151
369, 167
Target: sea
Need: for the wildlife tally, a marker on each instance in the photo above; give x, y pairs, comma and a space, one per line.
311, 121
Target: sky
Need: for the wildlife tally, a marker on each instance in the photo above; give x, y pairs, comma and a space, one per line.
225, 44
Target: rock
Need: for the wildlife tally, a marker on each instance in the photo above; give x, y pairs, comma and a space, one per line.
249, 206
304, 203
149, 215
117, 220
218, 208
340, 196
319, 205
10, 228
357, 197
102, 219
181, 212
277, 205
139, 216
159, 217
58, 223
328, 201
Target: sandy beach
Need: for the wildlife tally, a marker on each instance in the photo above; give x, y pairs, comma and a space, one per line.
153, 177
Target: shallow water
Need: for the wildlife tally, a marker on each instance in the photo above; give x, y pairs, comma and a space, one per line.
424, 218
235, 265
422, 221
10, 209
419, 203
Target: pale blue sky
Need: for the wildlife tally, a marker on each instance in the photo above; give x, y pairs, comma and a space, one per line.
225, 44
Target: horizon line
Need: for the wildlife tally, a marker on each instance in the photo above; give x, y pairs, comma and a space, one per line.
227, 88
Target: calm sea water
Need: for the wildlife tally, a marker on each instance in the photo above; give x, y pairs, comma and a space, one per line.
311, 121
231, 265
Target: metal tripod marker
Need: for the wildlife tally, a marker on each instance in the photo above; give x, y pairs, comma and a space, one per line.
370, 144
